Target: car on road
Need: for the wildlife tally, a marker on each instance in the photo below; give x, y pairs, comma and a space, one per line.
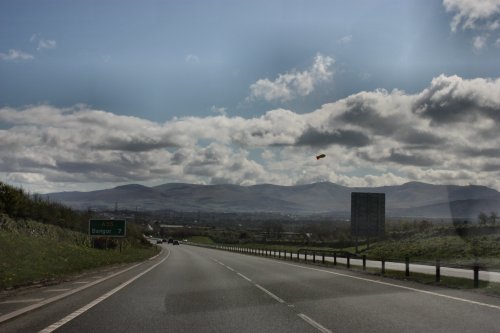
170, 240
158, 241
176, 242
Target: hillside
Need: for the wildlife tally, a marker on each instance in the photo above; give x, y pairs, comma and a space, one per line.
410, 199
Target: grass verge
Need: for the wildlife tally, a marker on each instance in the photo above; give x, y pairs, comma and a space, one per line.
28, 257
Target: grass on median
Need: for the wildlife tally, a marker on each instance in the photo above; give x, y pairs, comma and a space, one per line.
201, 240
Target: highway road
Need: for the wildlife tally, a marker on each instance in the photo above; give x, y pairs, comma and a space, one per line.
192, 289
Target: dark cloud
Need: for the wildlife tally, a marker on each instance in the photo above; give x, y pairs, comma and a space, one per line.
480, 152
420, 138
348, 138
134, 144
410, 159
491, 167
452, 99
361, 112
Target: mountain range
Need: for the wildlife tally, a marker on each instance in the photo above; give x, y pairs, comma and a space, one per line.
413, 199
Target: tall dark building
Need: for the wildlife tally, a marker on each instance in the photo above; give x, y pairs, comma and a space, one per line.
367, 214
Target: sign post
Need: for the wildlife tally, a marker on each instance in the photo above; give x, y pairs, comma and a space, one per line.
108, 228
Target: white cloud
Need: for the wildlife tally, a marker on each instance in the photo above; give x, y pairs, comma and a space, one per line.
447, 133
46, 44
43, 44
481, 16
345, 40
293, 84
471, 14
479, 42
219, 110
192, 59
16, 55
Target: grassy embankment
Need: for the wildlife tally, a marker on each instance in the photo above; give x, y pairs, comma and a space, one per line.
33, 252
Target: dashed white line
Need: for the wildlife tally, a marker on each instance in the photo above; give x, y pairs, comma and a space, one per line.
270, 293
27, 300
81, 282
314, 323
243, 276
304, 317
98, 300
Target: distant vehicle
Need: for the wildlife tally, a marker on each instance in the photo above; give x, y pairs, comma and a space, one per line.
164, 240
176, 242
185, 240
158, 241
170, 241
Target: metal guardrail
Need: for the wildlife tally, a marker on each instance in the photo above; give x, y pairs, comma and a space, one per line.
322, 254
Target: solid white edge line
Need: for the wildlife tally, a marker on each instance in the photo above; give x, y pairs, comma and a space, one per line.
232, 270
55, 290
98, 300
32, 307
270, 293
314, 324
397, 286
26, 300
243, 276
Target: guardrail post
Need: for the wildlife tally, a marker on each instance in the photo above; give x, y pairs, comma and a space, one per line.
284, 254
291, 257
314, 257
323, 259
298, 259
364, 262
305, 256
348, 261
476, 275
407, 264
438, 270
279, 254
334, 258
383, 266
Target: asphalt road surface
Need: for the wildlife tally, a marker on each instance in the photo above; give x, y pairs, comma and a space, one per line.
192, 289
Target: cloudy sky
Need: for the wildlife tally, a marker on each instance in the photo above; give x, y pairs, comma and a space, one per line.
95, 94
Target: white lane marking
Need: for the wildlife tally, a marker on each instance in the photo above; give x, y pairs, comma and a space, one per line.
269, 293
27, 300
98, 300
56, 290
314, 324
96, 277
232, 270
32, 307
397, 286
80, 282
243, 276
217, 261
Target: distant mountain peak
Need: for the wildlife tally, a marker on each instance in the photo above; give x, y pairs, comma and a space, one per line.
302, 199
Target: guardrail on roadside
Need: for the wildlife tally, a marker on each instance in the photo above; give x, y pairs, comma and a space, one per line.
313, 256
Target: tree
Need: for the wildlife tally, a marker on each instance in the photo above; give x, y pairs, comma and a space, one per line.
493, 217
483, 218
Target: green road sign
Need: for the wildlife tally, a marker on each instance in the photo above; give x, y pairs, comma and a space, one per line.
107, 228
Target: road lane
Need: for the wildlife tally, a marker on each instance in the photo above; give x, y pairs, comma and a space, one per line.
205, 290
188, 293
348, 304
